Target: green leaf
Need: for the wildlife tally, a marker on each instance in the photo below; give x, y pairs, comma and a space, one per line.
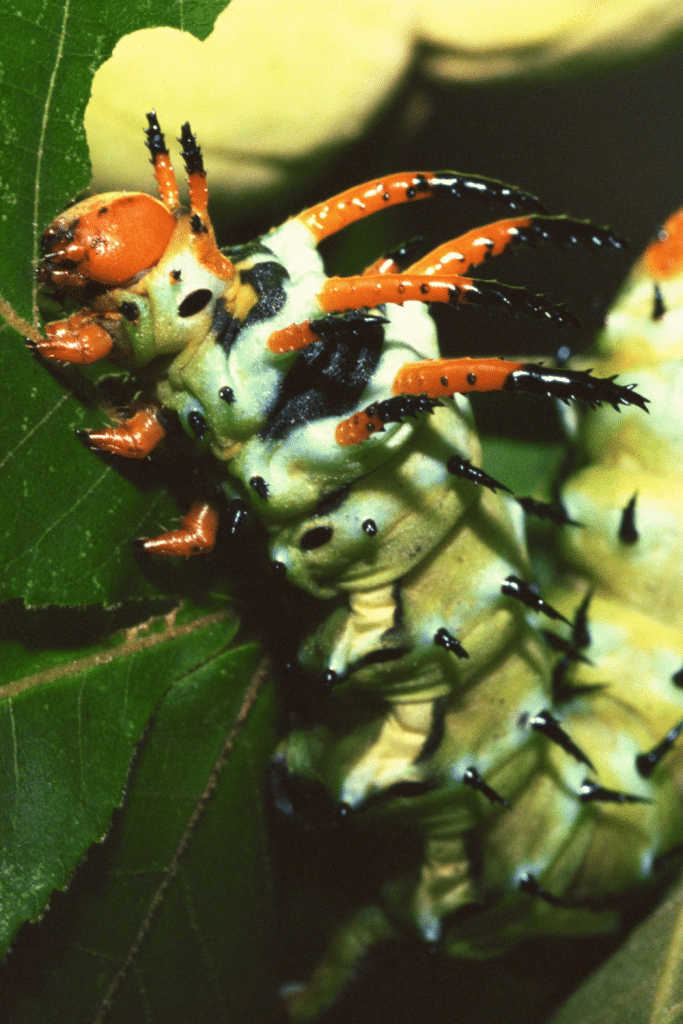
171, 919
643, 982
68, 731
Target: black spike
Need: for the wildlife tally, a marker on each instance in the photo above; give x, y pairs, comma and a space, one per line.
566, 647
191, 153
445, 639
646, 763
580, 633
473, 779
546, 724
155, 141
464, 469
658, 307
592, 791
260, 486
512, 299
554, 511
458, 186
628, 534
524, 592
573, 385
238, 514
394, 410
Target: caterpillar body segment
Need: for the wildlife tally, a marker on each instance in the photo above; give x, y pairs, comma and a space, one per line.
333, 419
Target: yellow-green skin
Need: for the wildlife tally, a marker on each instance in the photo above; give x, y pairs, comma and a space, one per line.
584, 855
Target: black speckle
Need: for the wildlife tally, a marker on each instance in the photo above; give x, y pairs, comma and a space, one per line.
472, 379
658, 307
227, 394
370, 527
260, 486
444, 382
677, 678
176, 275
316, 538
102, 210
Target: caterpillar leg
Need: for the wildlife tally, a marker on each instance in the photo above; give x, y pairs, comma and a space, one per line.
326, 218
196, 534
133, 439
81, 339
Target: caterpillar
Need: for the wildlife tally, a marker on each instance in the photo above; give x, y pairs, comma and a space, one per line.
336, 422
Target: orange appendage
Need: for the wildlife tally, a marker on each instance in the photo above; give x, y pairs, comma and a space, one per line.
166, 181
210, 256
437, 378
199, 192
108, 238
367, 291
195, 536
384, 265
363, 200
471, 249
134, 439
80, 339
357, 428
292, 338
664, 258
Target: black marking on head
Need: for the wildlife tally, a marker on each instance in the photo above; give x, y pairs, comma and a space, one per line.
473, 779
329, 376
658, 307
646, 763
677, 678
227, 394
130, 311
464, 468
524, 592
628, 534
592, 791
369, 526
191, 153
197, 423
548, 726
316, 538
195, 302
329, 503
445, 639
554, 511
436, 733
155, 141
260, 486
573, 385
